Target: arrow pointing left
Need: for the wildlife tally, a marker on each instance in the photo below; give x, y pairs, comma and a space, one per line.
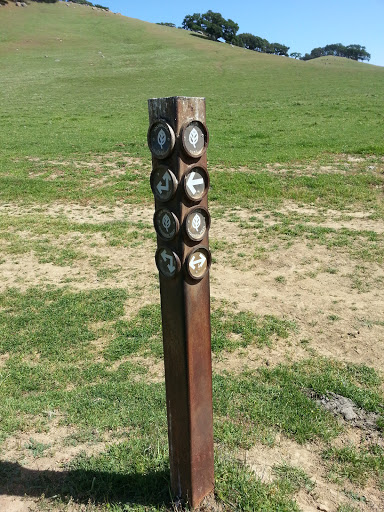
192, 181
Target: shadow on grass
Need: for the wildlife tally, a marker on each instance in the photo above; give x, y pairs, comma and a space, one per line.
150, 489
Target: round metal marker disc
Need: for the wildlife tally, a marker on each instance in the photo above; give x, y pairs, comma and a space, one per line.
196, 183
198, 262
166, 224
167, 262
163, 183
196, 223
161, 139
194, 139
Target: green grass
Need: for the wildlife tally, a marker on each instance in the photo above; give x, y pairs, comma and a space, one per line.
230, 330
255, 405
63, 97
356, 464
51, 375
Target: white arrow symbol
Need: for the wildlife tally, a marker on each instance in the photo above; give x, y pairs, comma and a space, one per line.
192, 182
199, 262
165, 187
171, 266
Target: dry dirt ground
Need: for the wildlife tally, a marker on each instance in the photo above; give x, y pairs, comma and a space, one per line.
336, 316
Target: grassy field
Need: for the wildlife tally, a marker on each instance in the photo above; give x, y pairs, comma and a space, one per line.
296, 161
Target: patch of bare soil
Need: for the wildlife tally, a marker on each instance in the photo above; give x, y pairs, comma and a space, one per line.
339, 164
32, 458
94, 214
309, 284
327, 218
326, 496
331, 315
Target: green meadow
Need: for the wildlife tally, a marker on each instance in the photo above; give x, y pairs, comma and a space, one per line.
296, 162
77, 81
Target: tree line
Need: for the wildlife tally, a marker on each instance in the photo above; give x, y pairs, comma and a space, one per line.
214, 26
352, 51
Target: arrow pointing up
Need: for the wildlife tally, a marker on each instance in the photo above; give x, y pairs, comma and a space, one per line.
166, 177
191, 182
171, 266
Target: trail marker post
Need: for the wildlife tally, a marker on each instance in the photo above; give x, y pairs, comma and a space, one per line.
178, 138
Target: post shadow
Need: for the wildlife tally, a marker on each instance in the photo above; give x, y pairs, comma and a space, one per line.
149, 489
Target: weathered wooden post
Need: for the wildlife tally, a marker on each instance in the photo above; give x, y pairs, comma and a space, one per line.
178, 138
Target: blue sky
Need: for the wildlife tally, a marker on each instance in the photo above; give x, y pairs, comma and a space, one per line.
300, 24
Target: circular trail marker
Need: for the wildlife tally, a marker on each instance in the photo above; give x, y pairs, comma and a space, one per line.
198, 262
194, 139
166, 224
163, 183
196, 183
161, 139
196, 223
167, 262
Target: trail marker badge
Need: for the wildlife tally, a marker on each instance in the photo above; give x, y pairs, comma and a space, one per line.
198, 262
196, 223
196, 183
163, 183
166, 224
168, 263
161, 139
194, 139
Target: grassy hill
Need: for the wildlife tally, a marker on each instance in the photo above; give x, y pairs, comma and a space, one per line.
77, 80
297, 277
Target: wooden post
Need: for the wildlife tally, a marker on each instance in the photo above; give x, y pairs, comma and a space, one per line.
178, 139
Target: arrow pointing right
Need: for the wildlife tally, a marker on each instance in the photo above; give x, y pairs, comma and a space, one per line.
199, 262
191, 182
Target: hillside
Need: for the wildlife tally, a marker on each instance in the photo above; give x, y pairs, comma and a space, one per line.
77, 80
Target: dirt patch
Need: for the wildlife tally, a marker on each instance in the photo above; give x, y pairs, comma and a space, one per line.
325, 496
254, 357
326, 218
84, 214
292, 283
345, 408
3, 359
309, 284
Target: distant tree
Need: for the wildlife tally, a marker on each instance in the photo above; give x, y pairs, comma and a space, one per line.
230, 29
192, 22
295, 55
357, 52
261, 44
167, 24
82, 2
278, 49
317, 52
335, 49
246, 40
252, 42
212, 24
353, 51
